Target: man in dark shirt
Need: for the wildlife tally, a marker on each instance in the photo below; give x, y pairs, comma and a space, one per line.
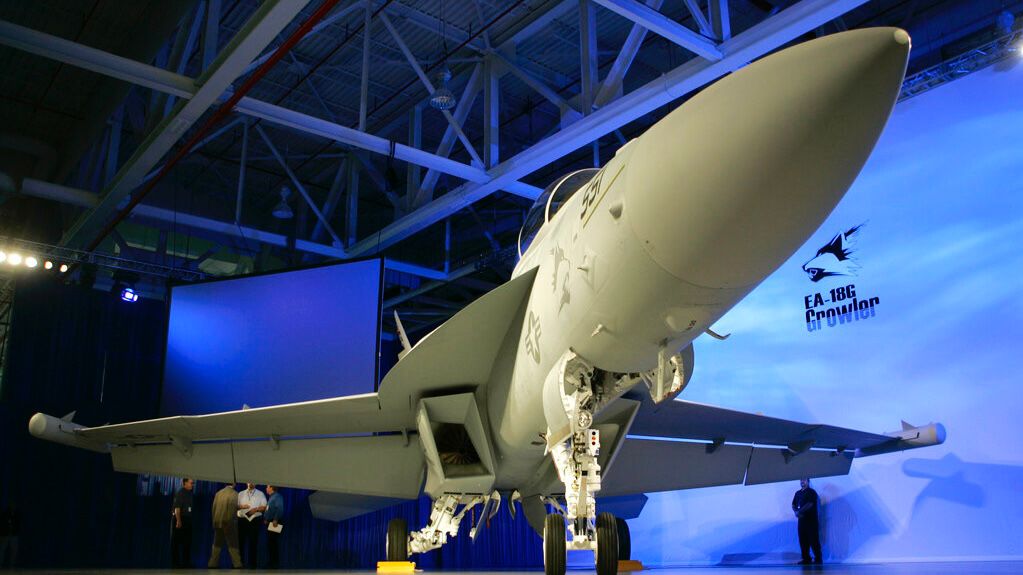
9, 530
273, 518
804, 505
181, 526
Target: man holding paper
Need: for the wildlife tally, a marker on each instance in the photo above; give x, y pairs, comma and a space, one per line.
274, 514
251, 505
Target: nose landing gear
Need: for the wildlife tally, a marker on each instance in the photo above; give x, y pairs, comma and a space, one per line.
575, 450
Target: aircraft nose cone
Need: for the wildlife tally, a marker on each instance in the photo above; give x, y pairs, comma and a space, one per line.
725, 188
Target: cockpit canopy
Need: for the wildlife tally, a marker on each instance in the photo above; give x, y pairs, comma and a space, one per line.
549, 202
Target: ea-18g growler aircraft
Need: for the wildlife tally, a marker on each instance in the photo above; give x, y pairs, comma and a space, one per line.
539, 391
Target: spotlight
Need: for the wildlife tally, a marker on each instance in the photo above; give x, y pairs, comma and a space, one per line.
63, 268
14, 259
48, 265
31, 262
3, 256
129, 295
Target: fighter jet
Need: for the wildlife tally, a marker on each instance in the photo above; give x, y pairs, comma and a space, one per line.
553, 389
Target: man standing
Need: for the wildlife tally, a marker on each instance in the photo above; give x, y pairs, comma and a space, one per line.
804, 505
273, 518
10, 528
225, 526
253, 502
181, 526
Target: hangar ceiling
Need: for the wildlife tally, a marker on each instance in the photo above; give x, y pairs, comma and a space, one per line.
117, 136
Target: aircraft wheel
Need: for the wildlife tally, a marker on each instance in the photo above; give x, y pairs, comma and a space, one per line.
554, 547
624, 540
397, 540
607, 544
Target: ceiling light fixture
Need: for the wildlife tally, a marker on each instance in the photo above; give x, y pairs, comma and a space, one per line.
282, 210
443, 98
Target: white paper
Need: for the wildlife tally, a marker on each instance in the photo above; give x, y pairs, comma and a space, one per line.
278, 529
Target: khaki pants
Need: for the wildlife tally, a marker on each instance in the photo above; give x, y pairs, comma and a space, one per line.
226, 534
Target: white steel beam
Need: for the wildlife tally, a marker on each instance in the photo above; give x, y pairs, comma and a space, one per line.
720, 20
430, 88
413, 173
262, 27
241, 174
587, 54
751, 44
211, 34
536, 84
87, 58
701, 20
298, 184
352, 209
319, 27
612, 84
663, 26
367, 25
491, 114
87, 199
447, 141
158, 79
333, 196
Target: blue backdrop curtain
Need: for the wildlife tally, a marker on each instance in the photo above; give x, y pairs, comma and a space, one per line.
73, 348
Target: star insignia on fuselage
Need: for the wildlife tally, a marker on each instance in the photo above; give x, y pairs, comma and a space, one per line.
533, 337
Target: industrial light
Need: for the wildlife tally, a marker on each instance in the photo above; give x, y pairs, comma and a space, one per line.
31, 262
129, 295
282, 210
14, 259
443, 98
63, 268
48, 265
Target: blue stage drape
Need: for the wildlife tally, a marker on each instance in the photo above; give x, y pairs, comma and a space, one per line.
73, 348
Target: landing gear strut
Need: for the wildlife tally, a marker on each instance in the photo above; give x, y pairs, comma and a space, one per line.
575, 458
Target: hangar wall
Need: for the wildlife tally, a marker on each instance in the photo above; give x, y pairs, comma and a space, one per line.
942, 204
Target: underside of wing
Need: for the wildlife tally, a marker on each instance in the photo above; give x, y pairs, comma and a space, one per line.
347, 444
685, 445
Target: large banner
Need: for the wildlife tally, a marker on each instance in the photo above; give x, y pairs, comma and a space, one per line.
275, 338
905, 305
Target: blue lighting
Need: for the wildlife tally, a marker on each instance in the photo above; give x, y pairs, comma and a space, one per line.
129, 295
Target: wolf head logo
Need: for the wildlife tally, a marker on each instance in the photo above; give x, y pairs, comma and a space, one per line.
835, 258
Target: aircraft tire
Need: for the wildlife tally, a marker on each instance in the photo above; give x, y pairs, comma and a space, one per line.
554, 547
607, 544
624, 540
397, 540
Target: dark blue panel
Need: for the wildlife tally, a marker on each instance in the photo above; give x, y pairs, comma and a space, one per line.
271, 339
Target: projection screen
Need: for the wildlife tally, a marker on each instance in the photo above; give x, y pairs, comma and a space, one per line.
273, 338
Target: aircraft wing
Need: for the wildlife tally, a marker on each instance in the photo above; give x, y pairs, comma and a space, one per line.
684, 445
345, 445
364, 446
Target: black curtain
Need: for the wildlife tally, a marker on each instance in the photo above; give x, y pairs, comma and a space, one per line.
73, 348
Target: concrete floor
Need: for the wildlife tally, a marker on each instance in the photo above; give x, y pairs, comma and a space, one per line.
971, 568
